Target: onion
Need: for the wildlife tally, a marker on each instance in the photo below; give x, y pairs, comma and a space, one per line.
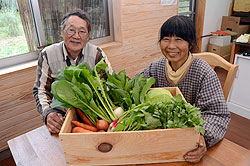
102, 124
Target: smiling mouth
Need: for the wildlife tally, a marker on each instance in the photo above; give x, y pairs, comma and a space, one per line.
74, 42
172, 54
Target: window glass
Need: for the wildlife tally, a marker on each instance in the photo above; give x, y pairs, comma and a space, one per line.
26, 25
186, 7
52, 12
12, 38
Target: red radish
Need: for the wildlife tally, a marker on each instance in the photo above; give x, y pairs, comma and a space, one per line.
113, 125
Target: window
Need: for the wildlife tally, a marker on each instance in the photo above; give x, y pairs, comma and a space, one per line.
186, 7
12, 38
43, 27
48, 15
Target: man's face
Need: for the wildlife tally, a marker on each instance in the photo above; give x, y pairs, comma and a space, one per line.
75, 34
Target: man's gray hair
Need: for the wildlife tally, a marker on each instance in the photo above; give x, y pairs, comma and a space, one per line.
77, 12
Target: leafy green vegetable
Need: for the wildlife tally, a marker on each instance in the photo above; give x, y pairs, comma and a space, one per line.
138, 82
158, 95
69, 94
80, 87
175, 113
107, 103
125, 91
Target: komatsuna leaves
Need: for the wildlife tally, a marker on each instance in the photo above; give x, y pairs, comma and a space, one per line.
146, 87
57, 103
69, 93
138, 83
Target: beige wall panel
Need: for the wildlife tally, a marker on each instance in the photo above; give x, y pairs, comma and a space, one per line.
141, 31
144, 8
143, 23
131, 17
139, 2
112, 53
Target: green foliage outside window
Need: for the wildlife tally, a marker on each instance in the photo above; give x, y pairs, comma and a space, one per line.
12, 39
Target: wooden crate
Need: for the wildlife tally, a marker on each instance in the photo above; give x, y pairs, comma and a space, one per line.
130, 147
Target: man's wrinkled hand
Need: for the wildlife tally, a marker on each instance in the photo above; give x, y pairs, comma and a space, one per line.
54, 122
196, 155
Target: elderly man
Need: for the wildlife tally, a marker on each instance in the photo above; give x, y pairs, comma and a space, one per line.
74, 49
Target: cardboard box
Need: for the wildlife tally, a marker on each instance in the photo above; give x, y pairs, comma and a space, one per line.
128, 147
220, 40
224, 51
233, 24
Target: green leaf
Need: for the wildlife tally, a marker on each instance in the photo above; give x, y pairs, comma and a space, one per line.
119, 127
146, 87
200, 129
57, 103
151, 121
138, 83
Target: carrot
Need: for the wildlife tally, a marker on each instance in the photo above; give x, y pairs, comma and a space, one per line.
80, 130
85, 126
84, 118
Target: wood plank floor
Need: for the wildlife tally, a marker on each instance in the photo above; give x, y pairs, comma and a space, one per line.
238, 132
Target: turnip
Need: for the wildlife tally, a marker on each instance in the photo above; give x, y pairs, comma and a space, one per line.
118, 111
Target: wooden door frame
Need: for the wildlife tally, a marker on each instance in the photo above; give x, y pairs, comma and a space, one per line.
199, 23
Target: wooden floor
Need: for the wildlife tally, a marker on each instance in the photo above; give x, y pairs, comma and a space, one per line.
238, 132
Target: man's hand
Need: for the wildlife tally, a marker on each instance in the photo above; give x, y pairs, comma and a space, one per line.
54, 122
195, 155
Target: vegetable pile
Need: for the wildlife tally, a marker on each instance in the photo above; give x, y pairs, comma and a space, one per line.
119, 103
161, 115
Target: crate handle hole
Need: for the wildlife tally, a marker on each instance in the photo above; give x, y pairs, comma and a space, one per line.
105, 147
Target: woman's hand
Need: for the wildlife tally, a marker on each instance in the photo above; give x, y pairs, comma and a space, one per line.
54, 122
196, 155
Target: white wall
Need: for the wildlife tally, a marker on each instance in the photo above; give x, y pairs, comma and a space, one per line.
214, 11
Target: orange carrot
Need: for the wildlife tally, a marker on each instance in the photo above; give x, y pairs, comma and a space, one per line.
84, 117
80, 130
85, 126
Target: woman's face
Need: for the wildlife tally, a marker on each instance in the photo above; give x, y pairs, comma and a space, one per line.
75, 34
175, 49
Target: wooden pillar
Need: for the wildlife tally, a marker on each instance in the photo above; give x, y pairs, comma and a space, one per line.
200, 23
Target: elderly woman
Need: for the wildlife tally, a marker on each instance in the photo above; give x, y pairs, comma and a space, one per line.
74, 49
197, 81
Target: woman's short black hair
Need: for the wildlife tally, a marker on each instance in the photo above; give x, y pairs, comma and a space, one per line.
180, 26
77, 12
